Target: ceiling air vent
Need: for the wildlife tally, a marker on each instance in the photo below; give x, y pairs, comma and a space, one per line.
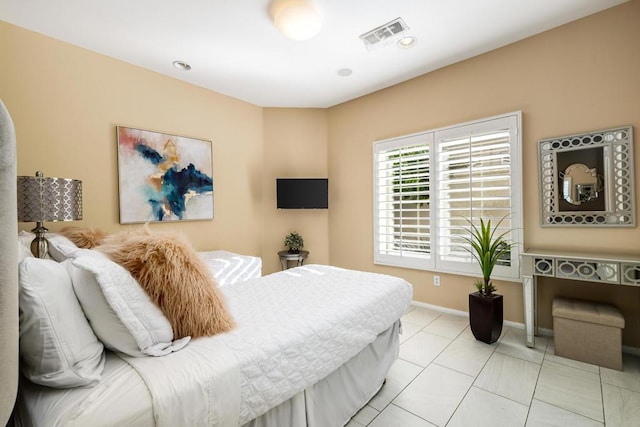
385, 33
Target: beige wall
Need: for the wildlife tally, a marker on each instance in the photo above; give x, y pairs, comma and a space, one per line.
295, 146
66, 102
579, 77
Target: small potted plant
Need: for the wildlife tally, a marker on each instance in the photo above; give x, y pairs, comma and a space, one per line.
294, 242
486, 307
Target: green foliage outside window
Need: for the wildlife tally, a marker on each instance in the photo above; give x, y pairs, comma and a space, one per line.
413, 184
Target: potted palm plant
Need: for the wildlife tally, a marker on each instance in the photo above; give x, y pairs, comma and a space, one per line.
485, 306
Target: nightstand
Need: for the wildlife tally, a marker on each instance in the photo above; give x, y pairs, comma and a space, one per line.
286, 257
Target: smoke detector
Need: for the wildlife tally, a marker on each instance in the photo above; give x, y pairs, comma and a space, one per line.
384, 34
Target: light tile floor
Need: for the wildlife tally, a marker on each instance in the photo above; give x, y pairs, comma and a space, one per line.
444, 377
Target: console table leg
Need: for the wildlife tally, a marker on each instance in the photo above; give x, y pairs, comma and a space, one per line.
528, 293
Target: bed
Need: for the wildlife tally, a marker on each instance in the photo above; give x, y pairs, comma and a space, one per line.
311, 345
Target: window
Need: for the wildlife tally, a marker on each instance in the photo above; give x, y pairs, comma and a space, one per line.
403, 214
427, 185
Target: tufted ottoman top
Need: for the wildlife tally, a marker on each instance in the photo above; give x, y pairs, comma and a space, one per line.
587, 311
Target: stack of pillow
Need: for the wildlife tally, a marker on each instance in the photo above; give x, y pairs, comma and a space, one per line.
136, 293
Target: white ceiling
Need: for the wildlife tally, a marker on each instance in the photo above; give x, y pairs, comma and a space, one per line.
234, 48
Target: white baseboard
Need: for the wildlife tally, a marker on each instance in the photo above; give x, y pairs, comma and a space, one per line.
440, 309
455, 312
545, 332
541, 331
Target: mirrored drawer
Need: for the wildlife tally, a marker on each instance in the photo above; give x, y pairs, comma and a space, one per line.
543, 267
630, 274
592, 271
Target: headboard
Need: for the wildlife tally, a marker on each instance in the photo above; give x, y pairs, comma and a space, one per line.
8, 267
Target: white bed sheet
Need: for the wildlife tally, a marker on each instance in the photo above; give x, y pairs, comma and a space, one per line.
196, 386
120, 399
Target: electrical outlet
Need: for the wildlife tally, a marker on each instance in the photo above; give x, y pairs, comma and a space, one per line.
436, 280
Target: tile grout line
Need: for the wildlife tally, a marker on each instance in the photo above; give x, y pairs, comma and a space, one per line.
533, 395
407, 361
473, 384
474, 380
423, 369
469, 389
405, 387
546, 359
578, 369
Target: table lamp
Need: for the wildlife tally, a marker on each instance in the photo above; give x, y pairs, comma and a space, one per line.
43, 199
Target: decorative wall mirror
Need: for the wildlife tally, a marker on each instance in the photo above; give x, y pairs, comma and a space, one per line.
588, 179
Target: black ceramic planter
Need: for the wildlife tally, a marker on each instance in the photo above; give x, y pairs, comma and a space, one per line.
485, 317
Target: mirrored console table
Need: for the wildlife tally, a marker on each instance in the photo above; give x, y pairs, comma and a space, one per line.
598, 268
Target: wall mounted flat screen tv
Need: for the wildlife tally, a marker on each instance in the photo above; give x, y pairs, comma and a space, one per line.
302, 193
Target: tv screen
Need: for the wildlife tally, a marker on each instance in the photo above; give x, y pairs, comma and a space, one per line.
302, 193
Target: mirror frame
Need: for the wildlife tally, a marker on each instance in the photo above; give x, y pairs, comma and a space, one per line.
618, 175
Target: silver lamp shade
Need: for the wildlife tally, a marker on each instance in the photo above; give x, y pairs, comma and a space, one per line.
43, 199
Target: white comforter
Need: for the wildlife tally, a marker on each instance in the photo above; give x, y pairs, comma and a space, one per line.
229, 268
293, 329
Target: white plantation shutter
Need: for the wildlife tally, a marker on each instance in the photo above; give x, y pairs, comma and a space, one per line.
403, 217
428, 185
475, 179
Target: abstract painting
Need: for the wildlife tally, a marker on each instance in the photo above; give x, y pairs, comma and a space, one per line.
163, 177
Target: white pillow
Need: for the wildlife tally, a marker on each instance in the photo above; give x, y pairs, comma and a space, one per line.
59, 246
121, 314
23, 252
57, 345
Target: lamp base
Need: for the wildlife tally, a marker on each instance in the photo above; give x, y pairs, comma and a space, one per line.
39, 245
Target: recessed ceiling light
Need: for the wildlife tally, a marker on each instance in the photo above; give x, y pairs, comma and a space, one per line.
181, 65
344, 72
407, 42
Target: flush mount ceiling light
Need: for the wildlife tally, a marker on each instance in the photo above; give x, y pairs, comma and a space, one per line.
181, 65
296, 19
345, 72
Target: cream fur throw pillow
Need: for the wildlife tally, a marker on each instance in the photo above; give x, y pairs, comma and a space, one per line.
174, 277
85, 238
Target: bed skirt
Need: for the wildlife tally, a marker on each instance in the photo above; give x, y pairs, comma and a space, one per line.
339, 396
